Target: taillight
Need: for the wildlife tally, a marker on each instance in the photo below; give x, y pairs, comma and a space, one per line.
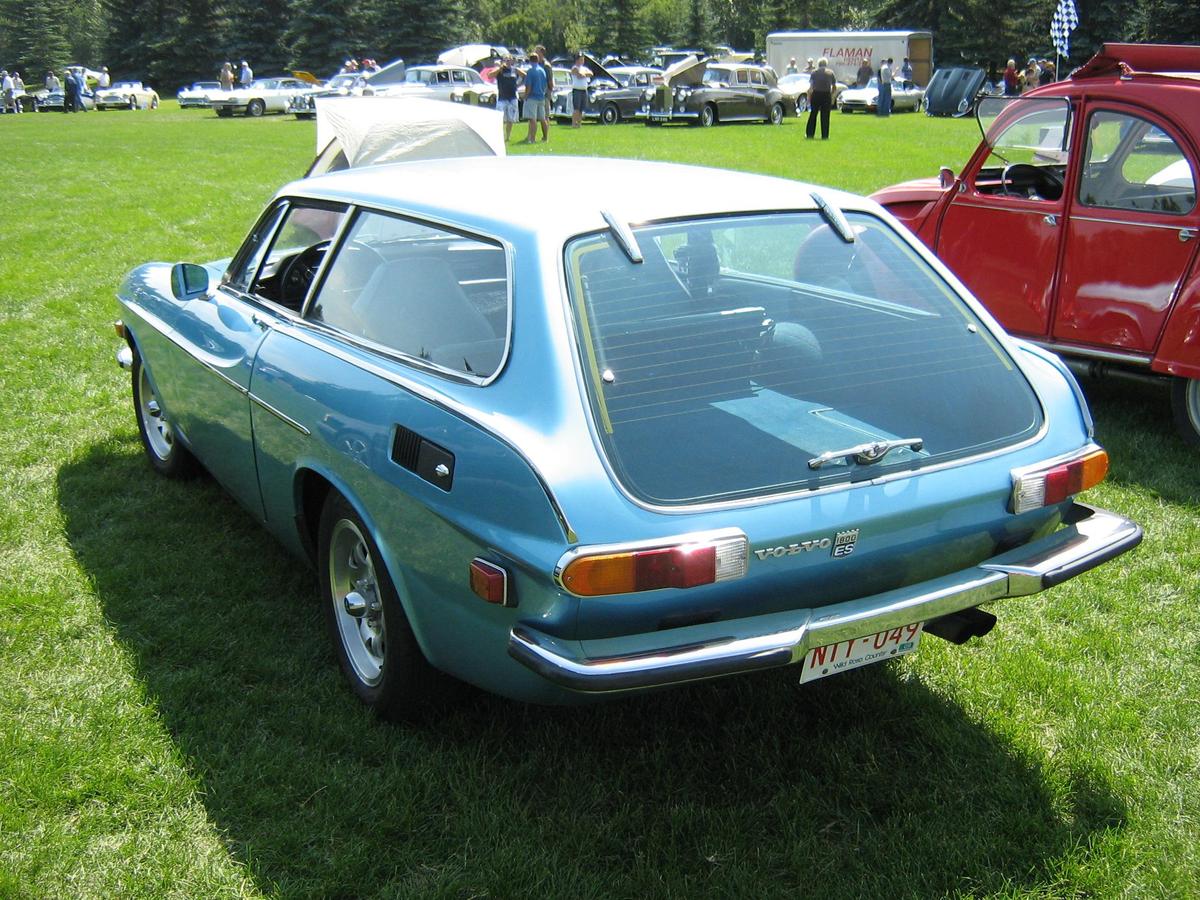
599, 571
1051, 483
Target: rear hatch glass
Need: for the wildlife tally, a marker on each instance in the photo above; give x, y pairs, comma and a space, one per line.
745, 348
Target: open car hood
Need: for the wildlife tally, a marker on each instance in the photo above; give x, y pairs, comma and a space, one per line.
366, 131
469, 54
689, 70
952, 91
598, 70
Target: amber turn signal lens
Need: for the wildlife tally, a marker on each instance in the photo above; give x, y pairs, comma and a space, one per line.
1046, 486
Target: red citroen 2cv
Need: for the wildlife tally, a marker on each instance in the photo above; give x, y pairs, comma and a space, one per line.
1076, 222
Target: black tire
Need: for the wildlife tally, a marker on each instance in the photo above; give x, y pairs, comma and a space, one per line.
375, 648
255, 108
708, 116
775, 116
609, 114
154, 103
224, 113
1185, 404
167, 455
132, 101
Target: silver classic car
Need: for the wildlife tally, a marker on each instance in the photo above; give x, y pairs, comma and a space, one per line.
647, 436
264, 95
709, 93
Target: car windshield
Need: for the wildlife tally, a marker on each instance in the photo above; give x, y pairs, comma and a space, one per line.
717, 76
794, 79
743, 348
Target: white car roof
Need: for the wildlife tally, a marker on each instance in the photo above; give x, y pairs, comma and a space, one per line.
491, 194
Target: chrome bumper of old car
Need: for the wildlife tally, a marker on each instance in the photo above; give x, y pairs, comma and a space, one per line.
1091, 536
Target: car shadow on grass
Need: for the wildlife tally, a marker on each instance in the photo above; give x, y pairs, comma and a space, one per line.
1135, 425
870, 784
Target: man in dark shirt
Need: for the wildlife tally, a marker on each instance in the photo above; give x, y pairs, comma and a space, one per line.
507, 80
820, 99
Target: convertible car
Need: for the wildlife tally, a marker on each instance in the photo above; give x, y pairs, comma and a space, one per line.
648, 436
195, 95
1076, 219
706, 93
126, 95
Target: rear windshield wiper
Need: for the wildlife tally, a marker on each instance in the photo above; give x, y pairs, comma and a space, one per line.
866, 454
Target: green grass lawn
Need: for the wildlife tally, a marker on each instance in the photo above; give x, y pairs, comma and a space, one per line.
172, 722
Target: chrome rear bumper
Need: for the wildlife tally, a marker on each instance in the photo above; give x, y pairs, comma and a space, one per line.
1091, 536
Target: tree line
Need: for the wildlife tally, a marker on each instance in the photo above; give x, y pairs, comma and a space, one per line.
172, 42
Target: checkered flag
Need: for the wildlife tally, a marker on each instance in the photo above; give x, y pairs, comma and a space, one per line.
1064, 22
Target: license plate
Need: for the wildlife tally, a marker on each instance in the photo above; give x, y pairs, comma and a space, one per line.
857, 652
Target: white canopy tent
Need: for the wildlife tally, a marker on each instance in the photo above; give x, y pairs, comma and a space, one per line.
366, 131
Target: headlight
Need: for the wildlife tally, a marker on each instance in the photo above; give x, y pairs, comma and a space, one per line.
648, 94
682, 93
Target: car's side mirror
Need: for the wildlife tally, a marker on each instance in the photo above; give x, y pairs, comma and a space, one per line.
189, 281
946, 178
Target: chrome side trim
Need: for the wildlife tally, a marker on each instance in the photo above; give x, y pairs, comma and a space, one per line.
1091, 537
1133, 359
1180, 227
283, 417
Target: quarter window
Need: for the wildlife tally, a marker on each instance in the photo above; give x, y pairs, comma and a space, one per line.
1133, 164
295, 254
421, 291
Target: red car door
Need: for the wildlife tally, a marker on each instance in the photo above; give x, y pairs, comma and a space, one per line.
1002, 230
1131, 231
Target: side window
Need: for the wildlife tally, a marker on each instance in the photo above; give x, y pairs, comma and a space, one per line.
1132, 164
756, 78
421, 291
294, 256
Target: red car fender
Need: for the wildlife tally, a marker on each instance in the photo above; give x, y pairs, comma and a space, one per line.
1179, 348
916, 204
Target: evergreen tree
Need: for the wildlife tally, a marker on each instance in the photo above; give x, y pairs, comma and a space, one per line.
323, 35
258, 34
38, 39
419, 30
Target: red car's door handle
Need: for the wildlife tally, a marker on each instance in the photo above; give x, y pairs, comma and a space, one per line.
1051, 220
1186, 234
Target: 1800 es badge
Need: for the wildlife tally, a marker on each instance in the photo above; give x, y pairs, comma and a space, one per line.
842, 543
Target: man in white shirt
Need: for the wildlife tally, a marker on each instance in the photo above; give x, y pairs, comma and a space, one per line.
883, 105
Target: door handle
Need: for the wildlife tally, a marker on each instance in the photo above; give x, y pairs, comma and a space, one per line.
1051, 220
1186, 234
261, 323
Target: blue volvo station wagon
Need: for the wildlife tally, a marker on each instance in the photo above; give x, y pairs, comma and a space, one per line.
571, 428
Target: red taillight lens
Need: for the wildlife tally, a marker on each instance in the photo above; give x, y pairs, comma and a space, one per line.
489, 581
1046, 485
679, 566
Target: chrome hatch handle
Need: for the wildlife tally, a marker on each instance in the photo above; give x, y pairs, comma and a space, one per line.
866, 454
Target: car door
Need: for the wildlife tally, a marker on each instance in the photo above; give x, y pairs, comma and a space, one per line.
1131, 231
1001, 241
221, 336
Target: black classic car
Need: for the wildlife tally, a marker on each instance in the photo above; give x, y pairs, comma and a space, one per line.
707, 93
613, 95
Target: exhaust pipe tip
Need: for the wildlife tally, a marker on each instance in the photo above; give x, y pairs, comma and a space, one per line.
960, 627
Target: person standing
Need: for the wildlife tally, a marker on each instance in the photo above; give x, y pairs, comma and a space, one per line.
863, 76
1047, 74
535, 98
103, 81
883, 103
581, 77
507, 81
246, 75
792, 68
18, 92
1012, 79
225, 76
52, 82
6, 86
820, 99
906, 70
1031, 76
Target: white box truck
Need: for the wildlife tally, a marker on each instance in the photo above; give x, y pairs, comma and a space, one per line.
845, 51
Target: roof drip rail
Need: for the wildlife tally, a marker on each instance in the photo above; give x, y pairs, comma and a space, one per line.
835, 218
624, 235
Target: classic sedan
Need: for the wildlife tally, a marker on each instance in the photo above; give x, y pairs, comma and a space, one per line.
1076, 219
435, 82
195, 95
264, 95
905, 96
624, 443
126, 95
614, 95
707, 93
